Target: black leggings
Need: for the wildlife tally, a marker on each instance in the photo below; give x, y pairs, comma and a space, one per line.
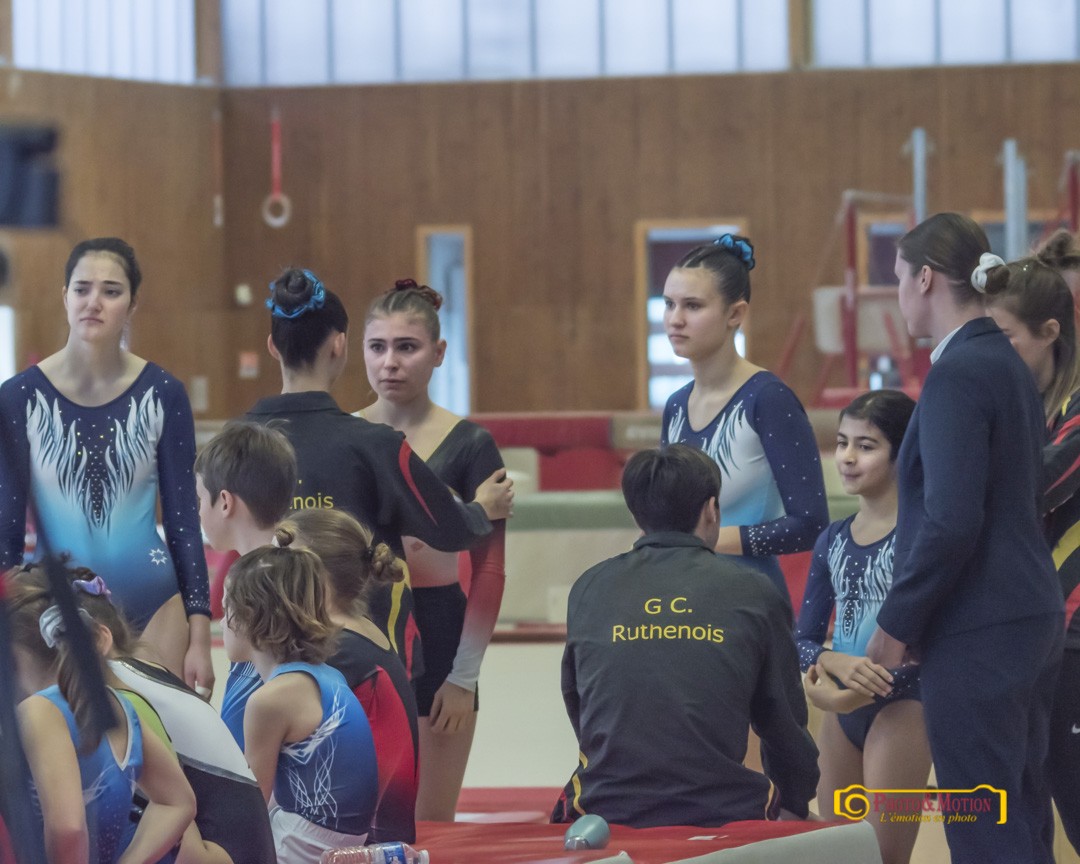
440, 615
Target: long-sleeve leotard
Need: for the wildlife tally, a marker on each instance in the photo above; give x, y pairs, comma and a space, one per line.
464, 459
854, 580
96, 474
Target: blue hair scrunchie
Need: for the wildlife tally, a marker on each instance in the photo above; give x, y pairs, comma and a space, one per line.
316, 301
740, 248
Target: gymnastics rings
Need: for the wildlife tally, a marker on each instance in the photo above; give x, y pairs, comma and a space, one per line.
277, 210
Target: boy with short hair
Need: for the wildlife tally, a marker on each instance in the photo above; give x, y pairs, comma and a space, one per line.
245, 477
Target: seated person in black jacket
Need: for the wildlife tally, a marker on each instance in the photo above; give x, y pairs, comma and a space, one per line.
672, 654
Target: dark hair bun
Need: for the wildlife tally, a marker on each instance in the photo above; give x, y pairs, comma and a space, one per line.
997, 280
1061, 251
430, 294
292, 289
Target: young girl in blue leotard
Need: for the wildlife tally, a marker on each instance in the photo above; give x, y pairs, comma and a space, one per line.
873, 732
83, 780
305, 734
772, 501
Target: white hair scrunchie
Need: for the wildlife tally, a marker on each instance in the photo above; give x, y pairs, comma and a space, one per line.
987, 262
51, 624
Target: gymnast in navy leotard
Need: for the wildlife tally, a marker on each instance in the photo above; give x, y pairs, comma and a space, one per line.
772, 501
99, 435
873, 732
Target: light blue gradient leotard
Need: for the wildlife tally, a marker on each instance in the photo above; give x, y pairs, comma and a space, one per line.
96, 473
772, 484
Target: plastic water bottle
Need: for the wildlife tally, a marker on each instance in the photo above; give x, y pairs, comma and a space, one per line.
588, 832
380, 853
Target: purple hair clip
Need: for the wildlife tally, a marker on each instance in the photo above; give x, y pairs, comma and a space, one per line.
95, 587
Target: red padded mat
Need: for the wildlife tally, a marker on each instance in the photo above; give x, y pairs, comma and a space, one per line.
532, 843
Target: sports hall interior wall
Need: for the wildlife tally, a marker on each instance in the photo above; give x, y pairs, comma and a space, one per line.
135, 162
551, 176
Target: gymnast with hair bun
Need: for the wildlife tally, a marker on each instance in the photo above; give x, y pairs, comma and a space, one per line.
363, 468
402, 348
354, 565
747, 420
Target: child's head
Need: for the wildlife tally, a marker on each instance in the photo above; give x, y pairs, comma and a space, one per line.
666, 488
353, 563
275, 602
251, 462
871, 430
1035, 309
40, 638
888, 411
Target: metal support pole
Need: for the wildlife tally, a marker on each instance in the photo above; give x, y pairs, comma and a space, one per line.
919, 155
849, 307
1015, 181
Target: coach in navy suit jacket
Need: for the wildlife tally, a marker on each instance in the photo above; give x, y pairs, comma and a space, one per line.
970, 551
975, 594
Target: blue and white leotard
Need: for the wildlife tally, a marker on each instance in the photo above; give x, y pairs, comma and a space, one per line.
855, 580
772, 484
330, 778
96, 473
106, 783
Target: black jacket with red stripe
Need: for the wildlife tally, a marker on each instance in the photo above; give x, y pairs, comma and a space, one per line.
1061, 462
369, 471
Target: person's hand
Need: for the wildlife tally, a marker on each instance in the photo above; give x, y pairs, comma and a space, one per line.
826, 695
451, 709
885, 649
496, 495
857, 673
198, 667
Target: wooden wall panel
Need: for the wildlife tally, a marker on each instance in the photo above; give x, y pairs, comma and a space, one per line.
551, 176
6, 50
135, 162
